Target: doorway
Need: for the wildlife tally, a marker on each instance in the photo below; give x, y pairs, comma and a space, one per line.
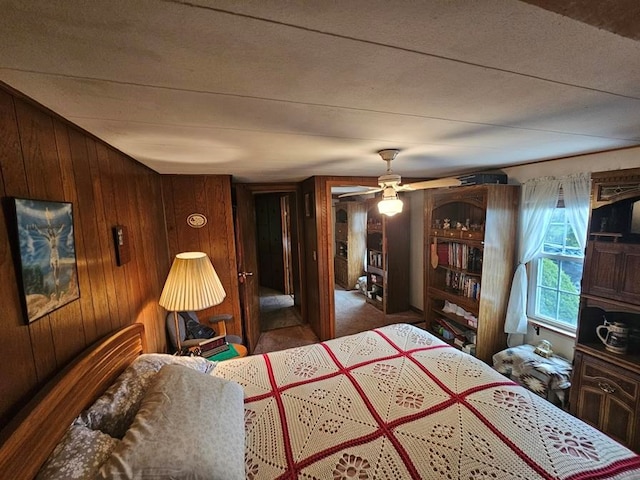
358, 295
275, 226
279, 226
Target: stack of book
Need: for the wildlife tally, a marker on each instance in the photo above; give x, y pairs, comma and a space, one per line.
213, 346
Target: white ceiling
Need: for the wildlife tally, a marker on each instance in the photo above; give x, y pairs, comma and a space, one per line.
273, 91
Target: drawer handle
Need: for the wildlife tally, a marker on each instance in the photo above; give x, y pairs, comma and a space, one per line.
605, 387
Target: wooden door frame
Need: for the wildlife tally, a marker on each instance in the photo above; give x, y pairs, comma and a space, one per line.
259, 188
324, 204
285, 220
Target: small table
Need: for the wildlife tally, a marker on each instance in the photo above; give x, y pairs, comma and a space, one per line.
236, 350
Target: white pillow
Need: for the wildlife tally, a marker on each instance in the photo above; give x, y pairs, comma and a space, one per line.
78, 456
189, 426
113, 412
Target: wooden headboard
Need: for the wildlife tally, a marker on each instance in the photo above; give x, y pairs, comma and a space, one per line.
32, 435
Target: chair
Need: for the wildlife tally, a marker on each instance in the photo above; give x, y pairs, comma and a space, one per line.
217, 322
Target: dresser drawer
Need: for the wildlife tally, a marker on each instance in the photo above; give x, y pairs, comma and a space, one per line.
610, 380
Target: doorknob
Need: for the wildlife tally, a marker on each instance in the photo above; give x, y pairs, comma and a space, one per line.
243, 275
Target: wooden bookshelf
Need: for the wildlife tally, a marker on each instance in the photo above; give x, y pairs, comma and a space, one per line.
470, 246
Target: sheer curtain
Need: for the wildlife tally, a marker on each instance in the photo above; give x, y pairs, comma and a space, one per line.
539, 199
577, 190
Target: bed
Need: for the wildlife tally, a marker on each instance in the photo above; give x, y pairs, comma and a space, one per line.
394, 402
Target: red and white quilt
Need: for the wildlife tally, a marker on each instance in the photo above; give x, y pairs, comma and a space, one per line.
397, 403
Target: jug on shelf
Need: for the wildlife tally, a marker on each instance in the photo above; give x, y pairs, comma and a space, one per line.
615, 336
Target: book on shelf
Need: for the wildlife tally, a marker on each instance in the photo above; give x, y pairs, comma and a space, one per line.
461, 256
463, 284
459, 342
454, 329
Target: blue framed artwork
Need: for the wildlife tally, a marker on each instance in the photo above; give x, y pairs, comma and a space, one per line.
48, 271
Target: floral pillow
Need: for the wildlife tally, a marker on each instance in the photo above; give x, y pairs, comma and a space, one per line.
79, 455
113, 412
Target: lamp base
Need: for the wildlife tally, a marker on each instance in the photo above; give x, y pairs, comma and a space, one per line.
176, 324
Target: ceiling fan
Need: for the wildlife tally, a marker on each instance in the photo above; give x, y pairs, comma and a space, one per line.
390, 186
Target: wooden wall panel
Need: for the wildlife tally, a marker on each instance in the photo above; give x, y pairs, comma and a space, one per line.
16, 339
127, 273
152, 254
86, 218
45, 157
209, 195
313, 269
40, 162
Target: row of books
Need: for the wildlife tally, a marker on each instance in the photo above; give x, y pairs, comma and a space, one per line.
460, 255
454, 333
463, 284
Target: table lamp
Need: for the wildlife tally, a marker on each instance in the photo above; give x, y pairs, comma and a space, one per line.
192, 285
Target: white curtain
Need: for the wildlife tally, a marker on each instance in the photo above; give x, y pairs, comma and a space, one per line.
577, 190
539, 198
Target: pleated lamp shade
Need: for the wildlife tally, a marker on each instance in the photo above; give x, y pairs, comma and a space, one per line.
192, 284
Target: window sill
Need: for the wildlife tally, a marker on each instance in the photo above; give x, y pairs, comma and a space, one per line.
537, 325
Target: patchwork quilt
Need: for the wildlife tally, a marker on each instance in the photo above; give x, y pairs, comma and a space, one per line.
397, 403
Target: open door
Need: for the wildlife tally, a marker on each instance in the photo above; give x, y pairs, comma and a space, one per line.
247, 265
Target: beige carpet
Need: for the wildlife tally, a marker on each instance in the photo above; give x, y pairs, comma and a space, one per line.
353, 315
277, 310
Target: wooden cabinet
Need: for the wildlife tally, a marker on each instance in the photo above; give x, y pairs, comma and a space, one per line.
470, 237
607, 397
387, 259
605, 389
612, 270
350, 235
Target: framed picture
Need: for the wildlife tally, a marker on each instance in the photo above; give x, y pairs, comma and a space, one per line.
121, 241
47, 269
308, 205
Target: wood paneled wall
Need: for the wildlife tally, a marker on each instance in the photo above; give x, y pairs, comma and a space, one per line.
209, 195
44, 157
316, 309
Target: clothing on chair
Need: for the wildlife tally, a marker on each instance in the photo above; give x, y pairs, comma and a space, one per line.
195, 329
191, 330
188, 328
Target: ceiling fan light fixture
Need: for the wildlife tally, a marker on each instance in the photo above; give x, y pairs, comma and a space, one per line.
390, 203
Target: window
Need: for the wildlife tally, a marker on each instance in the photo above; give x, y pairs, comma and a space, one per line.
555, 275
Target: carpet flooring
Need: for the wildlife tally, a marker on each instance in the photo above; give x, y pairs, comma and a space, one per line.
353, 315
277, 310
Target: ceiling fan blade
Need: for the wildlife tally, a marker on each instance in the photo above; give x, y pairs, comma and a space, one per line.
438, 182
362, 192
